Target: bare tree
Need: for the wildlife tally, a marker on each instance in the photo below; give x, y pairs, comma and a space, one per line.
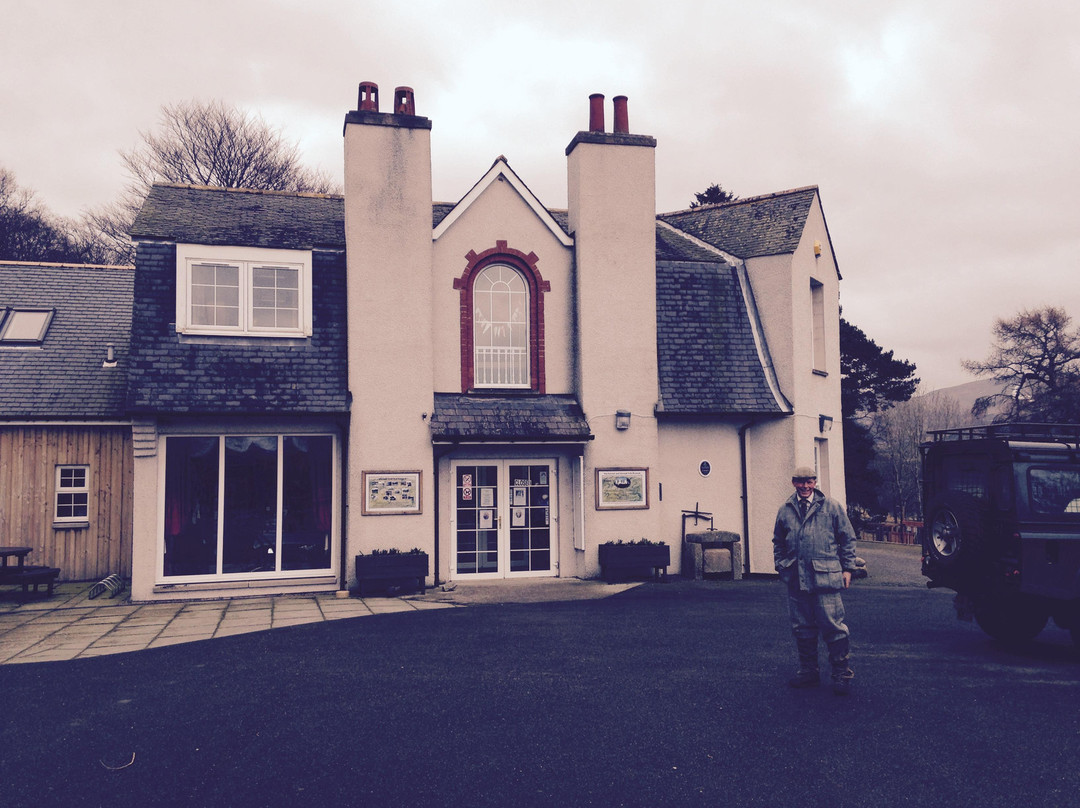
28, 232
898, 431
1036, 357
203, 143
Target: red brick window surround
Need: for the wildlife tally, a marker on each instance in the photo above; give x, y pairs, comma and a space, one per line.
525, 266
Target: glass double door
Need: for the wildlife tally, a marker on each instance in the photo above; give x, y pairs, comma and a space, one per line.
504, 518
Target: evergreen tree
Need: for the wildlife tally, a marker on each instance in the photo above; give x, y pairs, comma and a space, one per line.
713, 195
871, 381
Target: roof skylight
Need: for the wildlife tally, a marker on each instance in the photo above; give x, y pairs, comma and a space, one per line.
25, 326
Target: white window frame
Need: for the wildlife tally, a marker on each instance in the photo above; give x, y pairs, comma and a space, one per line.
510, 366
84, 489
246, 259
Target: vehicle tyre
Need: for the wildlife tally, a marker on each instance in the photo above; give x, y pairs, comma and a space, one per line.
1012, 620
954, 530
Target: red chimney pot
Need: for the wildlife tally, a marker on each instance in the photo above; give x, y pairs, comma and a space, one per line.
404, 101
596, 112
622, 120
369, 97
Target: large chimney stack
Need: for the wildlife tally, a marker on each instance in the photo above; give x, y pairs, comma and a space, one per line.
388, 250
611, 197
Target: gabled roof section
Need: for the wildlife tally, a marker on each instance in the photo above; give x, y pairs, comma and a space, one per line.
675, 245
194, 214
500, 170
712, 356
462, 418
65, 377
750, 228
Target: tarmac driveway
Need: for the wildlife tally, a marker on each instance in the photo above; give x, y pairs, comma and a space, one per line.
662, 695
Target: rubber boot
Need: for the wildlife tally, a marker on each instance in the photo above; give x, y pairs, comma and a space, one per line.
808, 674
839, 652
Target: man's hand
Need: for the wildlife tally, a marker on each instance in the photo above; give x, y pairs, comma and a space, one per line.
847, 579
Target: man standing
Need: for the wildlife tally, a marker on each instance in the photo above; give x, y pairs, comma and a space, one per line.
814, 552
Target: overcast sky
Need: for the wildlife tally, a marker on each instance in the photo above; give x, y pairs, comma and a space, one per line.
942, 134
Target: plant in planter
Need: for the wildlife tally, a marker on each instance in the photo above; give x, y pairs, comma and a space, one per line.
392, 567
623, 558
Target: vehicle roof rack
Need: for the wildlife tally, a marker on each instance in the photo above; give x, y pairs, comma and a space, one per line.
1048, 433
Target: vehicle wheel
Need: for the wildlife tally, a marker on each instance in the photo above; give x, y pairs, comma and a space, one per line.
1013, 621
954, 529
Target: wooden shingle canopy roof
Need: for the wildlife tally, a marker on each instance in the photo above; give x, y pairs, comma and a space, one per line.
65, 377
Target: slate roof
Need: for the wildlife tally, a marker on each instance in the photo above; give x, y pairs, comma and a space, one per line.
174, 374
228, 216
196, 214
708, 359
749, 228
63, 378
672, 245
709, 362
471, 419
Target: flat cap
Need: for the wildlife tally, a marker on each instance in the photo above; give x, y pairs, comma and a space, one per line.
804, 473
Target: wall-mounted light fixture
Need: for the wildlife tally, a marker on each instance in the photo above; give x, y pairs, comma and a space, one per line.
824, 423
622, 419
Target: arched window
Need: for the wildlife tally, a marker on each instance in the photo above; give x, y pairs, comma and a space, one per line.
500, 328
502, 321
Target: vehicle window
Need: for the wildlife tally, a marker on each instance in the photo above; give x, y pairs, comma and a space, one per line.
1054, 491
965, 474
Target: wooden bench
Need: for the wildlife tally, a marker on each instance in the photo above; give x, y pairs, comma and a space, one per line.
27, 576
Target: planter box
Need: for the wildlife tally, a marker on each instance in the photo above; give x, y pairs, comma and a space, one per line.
386, 569
622, 560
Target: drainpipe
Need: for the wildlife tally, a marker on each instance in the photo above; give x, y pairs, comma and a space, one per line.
435, 510
745, 496
343, 537
437, 454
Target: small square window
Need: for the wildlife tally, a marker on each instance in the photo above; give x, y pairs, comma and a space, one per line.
72, 493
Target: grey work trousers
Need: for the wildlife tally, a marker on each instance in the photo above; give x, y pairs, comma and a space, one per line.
816, 612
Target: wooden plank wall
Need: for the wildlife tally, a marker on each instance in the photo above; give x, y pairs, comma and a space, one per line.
28, 459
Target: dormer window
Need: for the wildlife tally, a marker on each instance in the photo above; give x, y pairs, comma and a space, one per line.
24, 326
239, 291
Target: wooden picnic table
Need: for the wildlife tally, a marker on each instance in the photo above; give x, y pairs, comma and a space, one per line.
23, 574
17, 552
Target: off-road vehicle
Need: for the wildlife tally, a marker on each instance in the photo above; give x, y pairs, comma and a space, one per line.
1002, 525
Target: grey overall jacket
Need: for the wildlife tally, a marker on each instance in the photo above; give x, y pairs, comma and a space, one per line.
812, 553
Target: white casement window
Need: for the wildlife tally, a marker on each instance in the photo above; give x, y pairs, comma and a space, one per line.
72, 494
500, 328
231, 291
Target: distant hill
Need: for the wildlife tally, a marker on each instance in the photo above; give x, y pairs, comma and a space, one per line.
965, 396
